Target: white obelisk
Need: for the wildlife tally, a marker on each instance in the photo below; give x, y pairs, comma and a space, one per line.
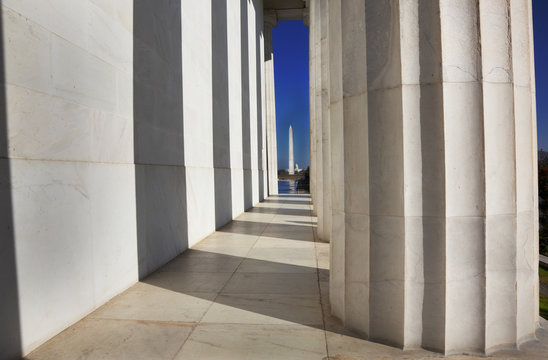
291, 161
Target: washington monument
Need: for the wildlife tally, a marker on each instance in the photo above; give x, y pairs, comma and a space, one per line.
291, 161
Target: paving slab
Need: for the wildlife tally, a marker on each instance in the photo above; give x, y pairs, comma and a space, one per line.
252, 342
116, 340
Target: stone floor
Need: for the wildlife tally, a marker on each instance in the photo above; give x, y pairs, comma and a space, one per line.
256, 289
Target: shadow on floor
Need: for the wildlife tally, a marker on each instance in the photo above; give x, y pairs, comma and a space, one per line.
269, 290
287, 202
281, 196
310, 223
279, 211
257, 228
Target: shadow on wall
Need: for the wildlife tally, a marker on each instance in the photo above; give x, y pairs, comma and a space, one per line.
10, 331
221, 118
433, 179
160, 180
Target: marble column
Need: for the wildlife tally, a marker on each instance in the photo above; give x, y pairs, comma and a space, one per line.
335, 129
432, 156
315, 29
319, 19
312, 98
270, 21
325, 90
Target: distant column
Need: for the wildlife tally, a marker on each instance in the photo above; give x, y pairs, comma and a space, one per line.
309, 18
270, 21
291, 161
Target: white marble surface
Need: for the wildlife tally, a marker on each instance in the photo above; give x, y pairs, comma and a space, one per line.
107, 187
42, 126
75, 248
201, 199
202, 305
424, 155
434, 153
197, 87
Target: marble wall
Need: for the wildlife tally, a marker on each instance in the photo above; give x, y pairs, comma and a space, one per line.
131, 130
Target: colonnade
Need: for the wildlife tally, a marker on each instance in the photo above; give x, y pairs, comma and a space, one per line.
424, 169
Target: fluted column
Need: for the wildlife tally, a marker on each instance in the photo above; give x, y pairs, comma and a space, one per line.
270, 21
432, 144
526, 186
324, 231
312, 98
315, 27
336, 149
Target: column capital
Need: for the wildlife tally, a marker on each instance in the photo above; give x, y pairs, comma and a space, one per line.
306, 16
270, 18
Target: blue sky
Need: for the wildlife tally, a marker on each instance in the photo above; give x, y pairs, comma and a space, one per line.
290, 40
540, 33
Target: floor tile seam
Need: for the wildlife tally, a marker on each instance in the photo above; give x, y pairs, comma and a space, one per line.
316, 296
183, 324
212, 245
263, 293
276, 273
297, 326
296, 244
320, 291
285, 248
285, 324
193, 272
270, 235
204, 242
207, 247
270, 294
275, 257
197, 272
189, 293
310, 266
265, 248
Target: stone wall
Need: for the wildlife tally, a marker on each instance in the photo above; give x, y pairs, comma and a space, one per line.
132, 129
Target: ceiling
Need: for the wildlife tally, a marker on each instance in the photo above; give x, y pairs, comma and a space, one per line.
286, 9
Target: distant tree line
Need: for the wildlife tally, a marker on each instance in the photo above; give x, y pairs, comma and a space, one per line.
304, 182
543, 200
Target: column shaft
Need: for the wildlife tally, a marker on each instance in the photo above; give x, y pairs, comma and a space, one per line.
526, 167
325, 229
356, 166
427, 166
336, 136
312, 108
316, 16
272, 158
